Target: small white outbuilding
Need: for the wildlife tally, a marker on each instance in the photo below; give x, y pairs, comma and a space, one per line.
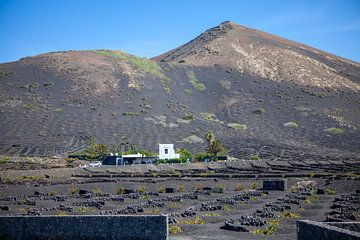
166, 151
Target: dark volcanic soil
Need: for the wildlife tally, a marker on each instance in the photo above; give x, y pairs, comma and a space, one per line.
286, 96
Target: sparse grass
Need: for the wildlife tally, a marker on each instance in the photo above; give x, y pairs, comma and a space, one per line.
86, 209
130, 113
211, 215
315, 197
32, 178
237, 126
175, 229
146, 197
73, 190
196, 220
253, 198
239, 187
162, 189
226, 84
195, 82
291, 125
334, 130
226, 208
187, 91
259, 111
254, 185
220, 188
210, 117
61, 213
120, 190
175, 205
5, 160
141, 189
152, 211
199, 187
189, 117
330, 191
307, 201
269, 230
97, 191
255, 157
287, 214
167, 90
180, 188
52, 193
30, 107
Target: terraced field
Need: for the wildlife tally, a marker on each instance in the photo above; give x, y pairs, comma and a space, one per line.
212, 201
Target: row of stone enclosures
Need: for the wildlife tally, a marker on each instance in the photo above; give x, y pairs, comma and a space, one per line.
84, 227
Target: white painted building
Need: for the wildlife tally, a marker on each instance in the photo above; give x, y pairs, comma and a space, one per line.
166, 151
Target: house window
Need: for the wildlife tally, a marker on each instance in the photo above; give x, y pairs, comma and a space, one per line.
166, 151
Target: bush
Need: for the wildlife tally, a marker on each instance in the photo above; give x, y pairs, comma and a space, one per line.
291, 124
287, 214
254, 157
196, 220
237, 126
334, 130
97, 191
120, 190
175, 229
141, 189
259, 111
269, 230
239, 187
330, 191
180, 188
219, 188
74, 190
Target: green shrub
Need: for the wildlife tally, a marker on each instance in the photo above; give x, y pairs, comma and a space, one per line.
259, 111
330, 190
130, 113
269, 230
175, 229
195, 82
255, 157
144, 64
188, 91
237, 126
334, 130
287, 214
226, 84
291, 124
120, 190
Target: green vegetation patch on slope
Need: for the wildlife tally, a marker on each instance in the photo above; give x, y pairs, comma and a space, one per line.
145, 64
195, 82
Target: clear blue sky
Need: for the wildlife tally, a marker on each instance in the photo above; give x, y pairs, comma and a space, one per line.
150, 27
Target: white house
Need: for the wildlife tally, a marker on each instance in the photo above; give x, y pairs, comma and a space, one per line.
166, 151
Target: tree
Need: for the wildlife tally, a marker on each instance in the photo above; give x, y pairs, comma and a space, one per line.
101, 150
215, 146
184, 155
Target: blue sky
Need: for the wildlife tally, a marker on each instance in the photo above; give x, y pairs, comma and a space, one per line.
150, 27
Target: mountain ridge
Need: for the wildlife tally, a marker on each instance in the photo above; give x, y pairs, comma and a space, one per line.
271, 99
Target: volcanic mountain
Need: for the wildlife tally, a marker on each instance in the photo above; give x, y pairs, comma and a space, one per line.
262, 95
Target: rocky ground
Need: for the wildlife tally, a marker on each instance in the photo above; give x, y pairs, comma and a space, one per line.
203, 201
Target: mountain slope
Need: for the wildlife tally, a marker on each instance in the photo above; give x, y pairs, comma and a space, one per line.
260, 94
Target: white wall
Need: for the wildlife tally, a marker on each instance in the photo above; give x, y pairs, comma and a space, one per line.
170, 151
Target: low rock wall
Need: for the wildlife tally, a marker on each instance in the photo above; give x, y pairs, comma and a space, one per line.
84, 227
310, 230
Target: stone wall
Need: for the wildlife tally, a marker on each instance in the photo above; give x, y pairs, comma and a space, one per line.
275, 184
309, 230
84, 227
